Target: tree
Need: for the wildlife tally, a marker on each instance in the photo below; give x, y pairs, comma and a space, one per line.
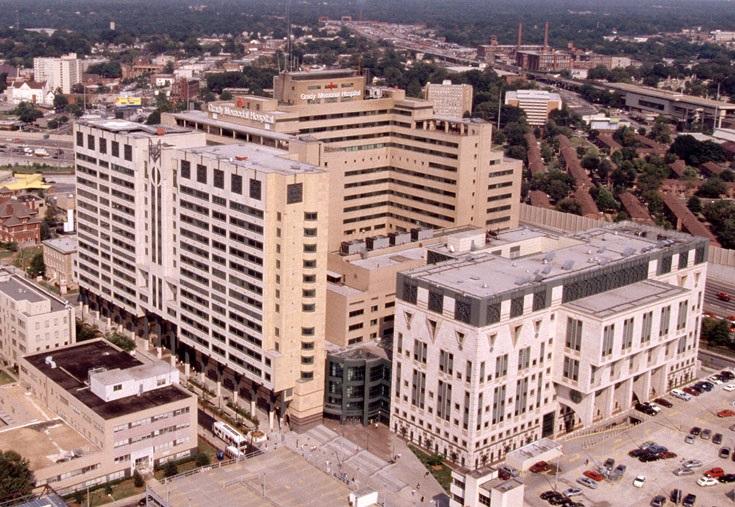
106, 69
695, 152
86, 331
569, 205
60, 102
661, 132
122, 341
37, 267
694, 204
16, 478
170, 469
138, 481
721, 215
713, 187
624, 176
604, 199
154, 118
716, 331
27, 112
225, 95
202, 459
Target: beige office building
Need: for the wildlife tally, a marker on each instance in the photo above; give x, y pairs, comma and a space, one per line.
58, 73
130, 413
393, 164
218, 250
60, 257
31, 319
453, 100
537, 104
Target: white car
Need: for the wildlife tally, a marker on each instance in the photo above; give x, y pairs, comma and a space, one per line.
678, 393
656, 408
705, 481
639, 481
715, 380
729, 387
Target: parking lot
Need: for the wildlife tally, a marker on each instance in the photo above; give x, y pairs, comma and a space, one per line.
669, 429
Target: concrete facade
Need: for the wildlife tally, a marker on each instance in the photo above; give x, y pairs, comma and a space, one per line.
453, 100
537, 104
31, 319
483, 487
60, 257
58, 73
537, 335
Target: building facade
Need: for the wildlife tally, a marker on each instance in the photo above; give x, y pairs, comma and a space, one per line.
58, 73
453, 100
60, 257
131, 410
537, 335
537, 104
219, 252
393, 165
484, 487
32, 320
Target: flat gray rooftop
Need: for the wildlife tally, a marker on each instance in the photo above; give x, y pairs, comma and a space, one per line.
626, 298
130, 127
256, 157
18, 289
64, 244
280, 477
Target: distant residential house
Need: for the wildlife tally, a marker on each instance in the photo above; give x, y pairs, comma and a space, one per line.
29, 91
18, 223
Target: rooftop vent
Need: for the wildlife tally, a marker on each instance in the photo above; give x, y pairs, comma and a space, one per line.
50, 361
546, 270
160, 131
568, 265
628, 251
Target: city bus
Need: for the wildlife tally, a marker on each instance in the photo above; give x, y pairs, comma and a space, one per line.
229, 434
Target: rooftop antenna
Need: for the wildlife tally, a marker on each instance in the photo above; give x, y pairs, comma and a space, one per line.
288, 42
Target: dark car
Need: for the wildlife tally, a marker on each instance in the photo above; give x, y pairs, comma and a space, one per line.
696, 430
648, 457
724, 453
548, 494
609, 463
664, 402
636, 453
691, 391
689, 500
646, 409
717, 438
727, 478
727, 374
675, 496
658, 501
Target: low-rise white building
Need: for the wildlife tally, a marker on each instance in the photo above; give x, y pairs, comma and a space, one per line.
29, 91
484, 487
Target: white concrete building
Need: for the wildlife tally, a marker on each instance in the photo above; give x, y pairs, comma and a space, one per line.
483, 487
537, 104
536, 335
452, 100
59, 73
29, 91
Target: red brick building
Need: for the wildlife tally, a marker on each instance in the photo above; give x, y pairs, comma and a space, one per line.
18, 223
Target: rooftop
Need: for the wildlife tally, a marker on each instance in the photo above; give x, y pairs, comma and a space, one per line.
533, 95
280, 477
627, 298
130, 127
255, 157
19, 289
64, 244
71, 372
482, 274
671, 95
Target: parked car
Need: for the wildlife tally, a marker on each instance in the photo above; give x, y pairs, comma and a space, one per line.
729, 387
679, 472
540, 467
689, 500
664, 402
645, 408
706, 481
675, 496
570, 492
658, 501
585, 481
715, 473
727, 478
727, 374
696, 430
726, 413
717, 438
594, 475
691, 391
706, 434
689, 439
639, 481
667, 455
692, 463
724, 452
678, 393
548, 494
609, 463
618, 472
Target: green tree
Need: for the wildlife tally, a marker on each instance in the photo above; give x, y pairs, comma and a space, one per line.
27, 112
569, 205
154, 118
716, 331
694, 204
170, 469
16, 478
225, 95
604, 199
60, 101
721, 214
713, 187
661, 131
37, 267
122, 341
202, 459
85, 331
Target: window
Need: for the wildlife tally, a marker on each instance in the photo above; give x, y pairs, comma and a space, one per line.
665, 318
115, 149
681, 320
628, 333
201, 173
185, 169
524, 358
646, 328
571, 368
128, 152
310, 248
501, 366
219, 178
255, 189
539, 300
607, 339
516, 307
419, 351
574, 334
294, 193
117, 387
80, 139
310, 215
444, 400
446, 361
683, 259
664, 265
90, 141
436, 301
418, 388
236, 184
103, 145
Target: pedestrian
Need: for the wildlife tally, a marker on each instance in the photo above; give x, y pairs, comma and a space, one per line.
426, 474
422, 499
413, 492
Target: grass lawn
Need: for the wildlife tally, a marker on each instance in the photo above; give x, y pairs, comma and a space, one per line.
5, 378
442, 473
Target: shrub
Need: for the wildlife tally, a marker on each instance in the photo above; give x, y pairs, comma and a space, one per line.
138, 481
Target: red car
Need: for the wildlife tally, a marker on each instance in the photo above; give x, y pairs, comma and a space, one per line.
726, 413
667, 455
691, 391
715, 473
540, 467
595, 476
723, 296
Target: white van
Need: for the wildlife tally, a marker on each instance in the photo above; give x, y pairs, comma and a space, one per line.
234, 452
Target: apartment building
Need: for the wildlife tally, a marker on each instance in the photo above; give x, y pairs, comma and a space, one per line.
537, 335
130, 410
483, 487
31, 319
537, 104
219, 251
453, 100
393, 164
58, 73
60, 257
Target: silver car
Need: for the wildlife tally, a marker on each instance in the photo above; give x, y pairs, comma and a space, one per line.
692, 463
570, 492
586, 481
683, 471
